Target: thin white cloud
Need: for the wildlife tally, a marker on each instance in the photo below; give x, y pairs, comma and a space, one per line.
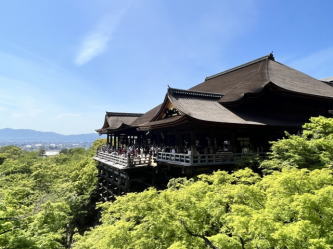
317, 64
92, 46
96, 42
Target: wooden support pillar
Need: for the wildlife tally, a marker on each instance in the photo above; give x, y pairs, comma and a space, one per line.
118, 141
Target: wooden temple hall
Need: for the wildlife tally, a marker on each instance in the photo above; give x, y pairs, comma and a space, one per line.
210, 126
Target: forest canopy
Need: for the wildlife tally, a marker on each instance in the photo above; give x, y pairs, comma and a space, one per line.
44, 201
288, 209
285, 203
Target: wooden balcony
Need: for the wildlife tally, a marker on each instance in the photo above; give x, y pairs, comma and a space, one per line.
126, 162
122, 161
225, 158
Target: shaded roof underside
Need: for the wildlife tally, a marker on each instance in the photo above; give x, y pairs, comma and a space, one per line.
171, 121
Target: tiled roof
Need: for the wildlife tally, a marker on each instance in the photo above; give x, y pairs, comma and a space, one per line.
116, 120
253, 76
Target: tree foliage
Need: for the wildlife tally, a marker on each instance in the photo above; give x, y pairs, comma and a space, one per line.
288, 209
43, 200
312, 149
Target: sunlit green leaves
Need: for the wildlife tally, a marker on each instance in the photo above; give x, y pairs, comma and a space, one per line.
312, 149
41, 199
288, 209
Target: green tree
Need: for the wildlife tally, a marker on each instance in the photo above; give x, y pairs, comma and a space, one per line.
312, 149
43, 201
288, 209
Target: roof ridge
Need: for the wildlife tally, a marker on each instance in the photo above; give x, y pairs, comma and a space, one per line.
194, 93
123, 114
269, 57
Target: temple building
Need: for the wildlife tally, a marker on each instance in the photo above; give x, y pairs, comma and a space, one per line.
213, 125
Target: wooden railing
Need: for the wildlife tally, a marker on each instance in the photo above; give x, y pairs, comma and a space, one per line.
115, 160
122, 161
200, 159
182, 159
140, 160
209, 159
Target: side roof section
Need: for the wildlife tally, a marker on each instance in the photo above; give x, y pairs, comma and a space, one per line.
116, 120
205, 107
148, 116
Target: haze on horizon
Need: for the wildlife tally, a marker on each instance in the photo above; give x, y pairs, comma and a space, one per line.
64, 63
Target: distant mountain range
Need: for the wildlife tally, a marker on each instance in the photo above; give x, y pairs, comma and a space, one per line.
24, 136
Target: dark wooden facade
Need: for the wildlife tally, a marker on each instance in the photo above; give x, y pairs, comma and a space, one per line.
230, 115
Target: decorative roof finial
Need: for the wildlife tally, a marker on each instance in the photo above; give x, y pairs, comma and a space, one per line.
271, 56
170, 89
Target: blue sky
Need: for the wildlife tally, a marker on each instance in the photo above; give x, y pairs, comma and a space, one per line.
64, 63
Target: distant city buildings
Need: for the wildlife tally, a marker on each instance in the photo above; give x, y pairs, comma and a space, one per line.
48, 147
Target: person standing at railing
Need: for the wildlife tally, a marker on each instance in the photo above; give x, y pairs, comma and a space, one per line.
149, 158
129, 160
